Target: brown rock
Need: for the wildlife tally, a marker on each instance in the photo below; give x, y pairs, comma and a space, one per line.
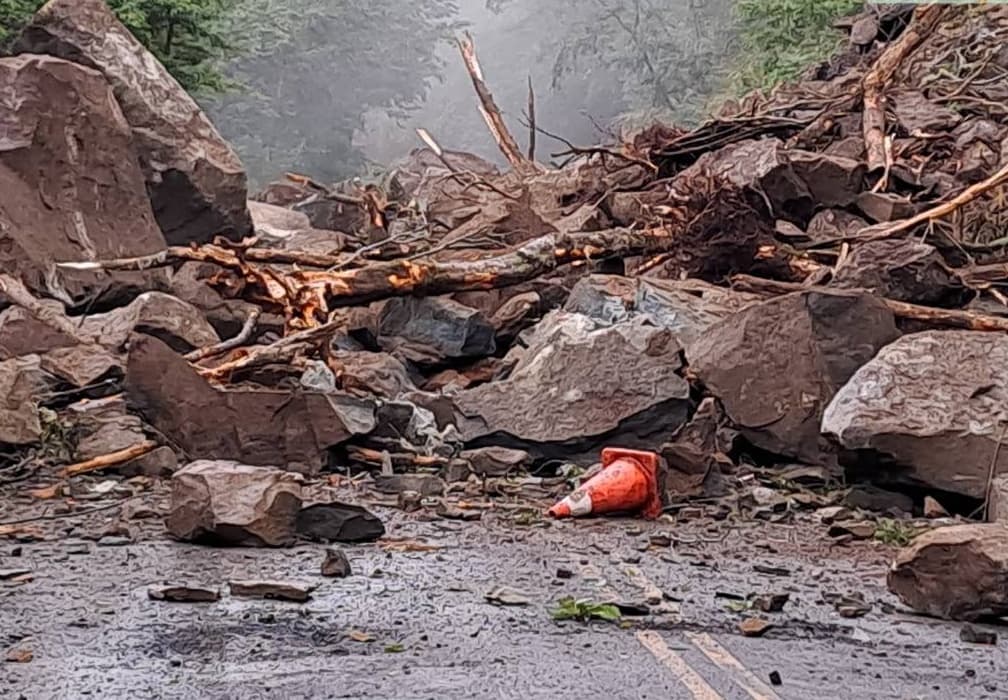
771, 602
692, 458
865, 30
283, 193
272, 590
255, 426
919, 115
884, 206
176, 322
72, 190
869, 497
159, 462
430, 330
234, 504
335, 564
104, 426
495, 461
338, 522
19, 655
183, 594
196, 182
22, 380
901, 269
795, 182
635, 393
934, 509
977, 635
856, 529
374, 373
424, 484
834, 223
934, 404
331, 215
190, 284
776, 365
958, 572
754, 626
317, 241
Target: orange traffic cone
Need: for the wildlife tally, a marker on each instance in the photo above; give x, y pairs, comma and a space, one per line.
628, 482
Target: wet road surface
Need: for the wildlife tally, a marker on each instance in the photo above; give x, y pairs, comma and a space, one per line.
429, 632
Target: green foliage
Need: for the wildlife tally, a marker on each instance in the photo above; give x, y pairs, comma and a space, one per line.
668, 53
585, 610
894, 533
184, 34
781, 38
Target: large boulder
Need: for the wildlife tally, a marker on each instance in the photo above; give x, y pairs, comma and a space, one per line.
776, 365
579, 384
196, 182
72, 190
958, 572
256, 426
22, 380
224, 502
935, 404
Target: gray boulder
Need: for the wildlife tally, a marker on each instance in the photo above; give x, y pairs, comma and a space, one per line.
934, 403
579, 384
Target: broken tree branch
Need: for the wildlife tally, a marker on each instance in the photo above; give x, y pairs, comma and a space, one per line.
873, 85
280, 351
965, 197
230, 344
431, 277
953, 318
306, 181
532, 121
109, 460
214, 254
491, 112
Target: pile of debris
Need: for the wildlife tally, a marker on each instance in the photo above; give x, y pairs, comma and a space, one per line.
812, 277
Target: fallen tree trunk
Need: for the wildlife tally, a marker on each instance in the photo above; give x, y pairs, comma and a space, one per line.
952, 318
431, 277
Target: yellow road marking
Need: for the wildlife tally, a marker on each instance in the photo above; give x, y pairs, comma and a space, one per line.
722, 658
684, 673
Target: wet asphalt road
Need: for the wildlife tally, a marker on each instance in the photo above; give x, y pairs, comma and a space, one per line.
93, 632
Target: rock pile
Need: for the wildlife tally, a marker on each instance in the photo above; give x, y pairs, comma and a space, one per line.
817, 268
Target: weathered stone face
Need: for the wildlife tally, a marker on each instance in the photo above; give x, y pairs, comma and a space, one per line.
196, 182
71, 187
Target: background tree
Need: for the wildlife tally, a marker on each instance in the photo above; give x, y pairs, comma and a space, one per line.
310, 70
184, 34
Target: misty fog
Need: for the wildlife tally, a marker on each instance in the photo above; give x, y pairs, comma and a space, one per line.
342, 94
